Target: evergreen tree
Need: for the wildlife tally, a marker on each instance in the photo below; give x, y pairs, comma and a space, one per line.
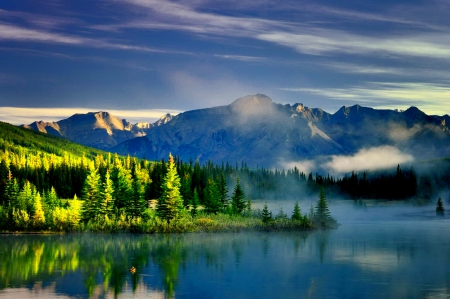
248, 207
223, 190
91, 196
440, 207
107, 200
137, 205
211, 196
39, 216
194, 203
11, 190
51, 200
122, 187
185, 190
4, 170
281, 215
170, 204
266, 216
238, 199
25, 198
296, 214
322, 216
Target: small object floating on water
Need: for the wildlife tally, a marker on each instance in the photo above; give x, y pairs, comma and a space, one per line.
132, 270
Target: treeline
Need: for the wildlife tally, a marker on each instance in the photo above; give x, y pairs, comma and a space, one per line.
115, 197
67, 175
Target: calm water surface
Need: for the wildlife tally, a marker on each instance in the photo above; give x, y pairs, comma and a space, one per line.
395, 252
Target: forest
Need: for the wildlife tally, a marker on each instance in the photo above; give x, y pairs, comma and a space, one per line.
43, 187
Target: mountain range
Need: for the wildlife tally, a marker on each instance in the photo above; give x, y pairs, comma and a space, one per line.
101, 130
260, 132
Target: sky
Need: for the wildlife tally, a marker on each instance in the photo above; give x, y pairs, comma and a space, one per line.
140, 59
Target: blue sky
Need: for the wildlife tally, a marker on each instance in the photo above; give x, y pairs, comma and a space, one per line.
142, 58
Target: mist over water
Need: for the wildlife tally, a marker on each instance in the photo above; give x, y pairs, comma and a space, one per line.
347, 211
385, 249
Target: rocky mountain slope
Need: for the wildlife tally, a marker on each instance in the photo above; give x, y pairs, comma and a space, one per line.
256, 130
97, 129
260, 132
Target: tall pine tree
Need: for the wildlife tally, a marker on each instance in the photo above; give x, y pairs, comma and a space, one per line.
170, 203
91, 196
212, 198
223, 190
238, 199
194, 203
322, 217
107, 200
296, 214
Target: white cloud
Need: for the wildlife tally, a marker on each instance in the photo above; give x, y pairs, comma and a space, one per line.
10, 32
16, 33
20, 115
430, 98
320, 41
241, 57
375, 158
366, 159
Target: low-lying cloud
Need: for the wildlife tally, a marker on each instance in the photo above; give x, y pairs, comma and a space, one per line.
375, 158
367, 159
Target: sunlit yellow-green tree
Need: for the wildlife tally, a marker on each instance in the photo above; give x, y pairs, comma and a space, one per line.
170, 204
38, 217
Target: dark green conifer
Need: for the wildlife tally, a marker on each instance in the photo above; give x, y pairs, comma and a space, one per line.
185, 190
11, 190
440, 207
266, 216
137, 204
212, 198
91, 196
195, 201
107, 199
281, 215
296, 214
238, 199
223, 190
322, 217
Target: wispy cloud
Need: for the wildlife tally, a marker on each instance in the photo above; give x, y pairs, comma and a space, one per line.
241, 57
21, 115
433, 72
38, 20
366, 69
306, 39
319, 41
175, 16
431, 98
11, 32
17, 33
357, 16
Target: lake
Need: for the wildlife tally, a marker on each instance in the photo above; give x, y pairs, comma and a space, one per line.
378, 251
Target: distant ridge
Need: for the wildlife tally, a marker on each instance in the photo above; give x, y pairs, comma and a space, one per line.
262, 133
98, 129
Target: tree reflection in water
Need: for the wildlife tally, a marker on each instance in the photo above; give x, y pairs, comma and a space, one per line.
103, 261
366, 261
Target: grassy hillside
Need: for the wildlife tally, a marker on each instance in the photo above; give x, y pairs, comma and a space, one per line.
15, 139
